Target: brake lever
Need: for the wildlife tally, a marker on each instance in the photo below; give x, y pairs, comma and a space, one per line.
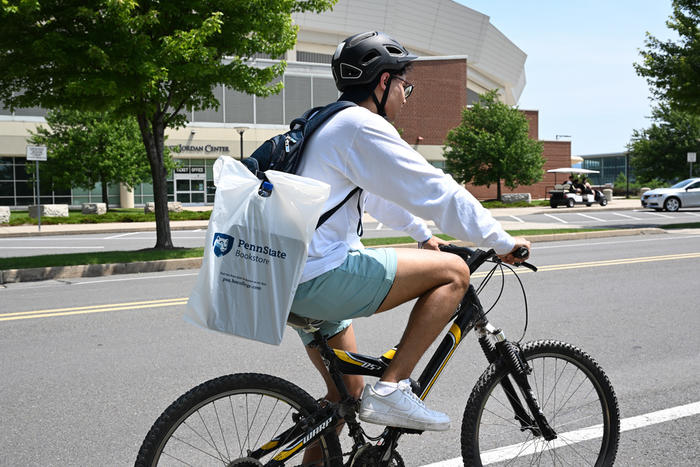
523, 252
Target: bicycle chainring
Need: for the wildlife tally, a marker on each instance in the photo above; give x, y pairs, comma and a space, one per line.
369, 456
245, 462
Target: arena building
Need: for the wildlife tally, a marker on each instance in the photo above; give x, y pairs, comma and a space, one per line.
461, 55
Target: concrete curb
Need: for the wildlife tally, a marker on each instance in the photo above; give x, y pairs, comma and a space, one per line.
95, 270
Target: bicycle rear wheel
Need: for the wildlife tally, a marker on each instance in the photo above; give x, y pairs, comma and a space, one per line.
223, 421
575, 396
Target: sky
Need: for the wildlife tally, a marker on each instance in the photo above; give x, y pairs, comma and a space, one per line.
579, 64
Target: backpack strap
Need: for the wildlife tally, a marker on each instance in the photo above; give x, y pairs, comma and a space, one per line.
326, 215
314, 118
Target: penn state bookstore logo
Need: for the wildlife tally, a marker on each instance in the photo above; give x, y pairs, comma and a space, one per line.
222, 243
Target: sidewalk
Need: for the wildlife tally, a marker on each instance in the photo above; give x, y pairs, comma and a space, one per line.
116, 227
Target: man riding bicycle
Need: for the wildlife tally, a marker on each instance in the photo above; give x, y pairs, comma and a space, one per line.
358, 147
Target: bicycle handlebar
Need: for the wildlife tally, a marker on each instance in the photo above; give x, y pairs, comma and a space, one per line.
475, 258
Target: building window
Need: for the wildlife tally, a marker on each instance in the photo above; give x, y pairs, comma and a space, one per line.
297, 93
17, 187
313, 57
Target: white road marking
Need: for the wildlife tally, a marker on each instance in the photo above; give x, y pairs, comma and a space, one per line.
632, 423
660, 215
556, 218
120, 235
379, 226
592, 217
625, 215
517, 219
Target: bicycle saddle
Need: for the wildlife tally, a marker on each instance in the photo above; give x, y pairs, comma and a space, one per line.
305, 324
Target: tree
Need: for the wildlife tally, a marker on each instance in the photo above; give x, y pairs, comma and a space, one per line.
142, 58
660, 151
673, 68
85, 148
492, 144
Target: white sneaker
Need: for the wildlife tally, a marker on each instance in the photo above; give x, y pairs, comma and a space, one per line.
401, 408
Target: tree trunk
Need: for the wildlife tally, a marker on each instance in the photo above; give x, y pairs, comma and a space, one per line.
105, 198
498, 190
153, 134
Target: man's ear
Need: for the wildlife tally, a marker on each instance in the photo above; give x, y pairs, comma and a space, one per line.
384, 80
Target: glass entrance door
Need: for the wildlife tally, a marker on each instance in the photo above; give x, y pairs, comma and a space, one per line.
190, 183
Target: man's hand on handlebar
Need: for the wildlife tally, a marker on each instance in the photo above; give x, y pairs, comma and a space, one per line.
433, 243
511, 257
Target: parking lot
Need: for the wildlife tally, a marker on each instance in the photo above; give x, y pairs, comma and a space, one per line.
601, 218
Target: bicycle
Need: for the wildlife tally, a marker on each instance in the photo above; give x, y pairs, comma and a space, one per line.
564, 410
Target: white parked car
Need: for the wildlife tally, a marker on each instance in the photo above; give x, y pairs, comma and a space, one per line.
685, 194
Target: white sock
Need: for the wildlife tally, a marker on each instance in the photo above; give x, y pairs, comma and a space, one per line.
384, 388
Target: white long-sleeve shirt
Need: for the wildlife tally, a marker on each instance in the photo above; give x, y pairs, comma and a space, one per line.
357, 147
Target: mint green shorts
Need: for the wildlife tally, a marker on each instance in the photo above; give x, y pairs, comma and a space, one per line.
355, 288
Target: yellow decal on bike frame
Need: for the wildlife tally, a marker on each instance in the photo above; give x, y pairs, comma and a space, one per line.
344, 356
456, 334
284, 454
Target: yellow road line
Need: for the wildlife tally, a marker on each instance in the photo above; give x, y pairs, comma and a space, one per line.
594, 264
81, 310
91, 309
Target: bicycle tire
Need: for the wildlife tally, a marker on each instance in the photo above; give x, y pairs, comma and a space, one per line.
575, 395
204, 425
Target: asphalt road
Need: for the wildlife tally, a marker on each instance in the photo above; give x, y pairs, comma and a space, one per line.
86, 368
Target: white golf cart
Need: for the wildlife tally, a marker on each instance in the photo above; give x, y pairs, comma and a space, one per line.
565, 195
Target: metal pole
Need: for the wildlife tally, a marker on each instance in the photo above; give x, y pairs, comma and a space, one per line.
627, 174
38, 195
241, 133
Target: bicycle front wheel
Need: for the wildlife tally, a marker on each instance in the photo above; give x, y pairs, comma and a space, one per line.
243, 419
575, 396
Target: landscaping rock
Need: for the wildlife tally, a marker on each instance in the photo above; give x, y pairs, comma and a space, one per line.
516, 197
4, 214
94, 208
49, 210
608, 194
173, 206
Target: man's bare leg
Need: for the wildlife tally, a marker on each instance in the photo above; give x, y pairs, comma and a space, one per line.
344, 340
439, 281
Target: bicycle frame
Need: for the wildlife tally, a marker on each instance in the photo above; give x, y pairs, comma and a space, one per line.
469, 315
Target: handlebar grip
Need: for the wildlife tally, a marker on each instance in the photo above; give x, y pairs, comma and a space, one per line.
522, 252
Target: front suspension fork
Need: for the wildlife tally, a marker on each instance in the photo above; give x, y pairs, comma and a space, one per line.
510, 354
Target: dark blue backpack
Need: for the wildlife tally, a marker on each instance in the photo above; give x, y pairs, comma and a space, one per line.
284, 152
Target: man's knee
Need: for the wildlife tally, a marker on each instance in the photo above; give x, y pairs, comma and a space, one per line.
458, 272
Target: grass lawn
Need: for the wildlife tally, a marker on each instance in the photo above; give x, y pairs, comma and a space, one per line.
137, 215
113, 215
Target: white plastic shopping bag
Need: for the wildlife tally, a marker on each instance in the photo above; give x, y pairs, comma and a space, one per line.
255, 251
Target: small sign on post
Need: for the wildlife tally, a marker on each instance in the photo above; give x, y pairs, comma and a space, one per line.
691, 158
37, 153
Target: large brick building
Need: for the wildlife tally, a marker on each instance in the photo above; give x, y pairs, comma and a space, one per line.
462, 55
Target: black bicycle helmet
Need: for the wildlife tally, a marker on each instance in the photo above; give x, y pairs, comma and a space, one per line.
359, 60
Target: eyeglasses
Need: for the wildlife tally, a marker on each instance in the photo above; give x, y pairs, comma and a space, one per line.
407, 87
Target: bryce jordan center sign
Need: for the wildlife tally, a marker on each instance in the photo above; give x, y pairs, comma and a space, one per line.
205, 148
